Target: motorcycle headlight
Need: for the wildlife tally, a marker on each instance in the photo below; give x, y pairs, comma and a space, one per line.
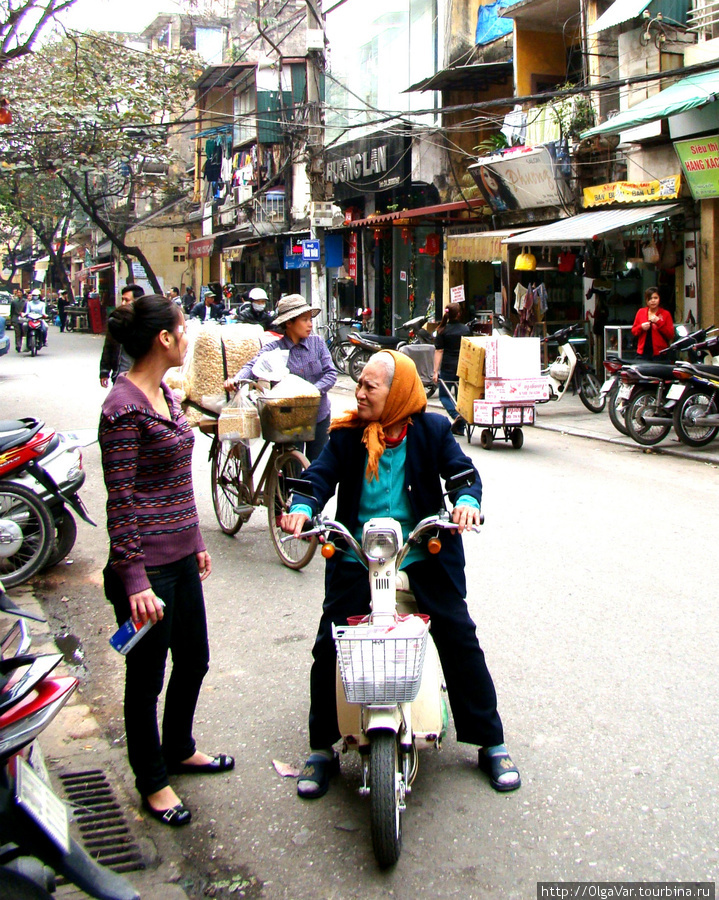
380, 544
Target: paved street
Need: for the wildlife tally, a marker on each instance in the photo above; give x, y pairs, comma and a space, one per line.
592, 588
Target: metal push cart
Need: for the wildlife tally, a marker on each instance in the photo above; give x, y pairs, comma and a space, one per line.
509, 419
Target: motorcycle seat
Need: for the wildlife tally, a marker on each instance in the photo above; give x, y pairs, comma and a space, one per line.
14, 433
707, 369
386, 340
656, 370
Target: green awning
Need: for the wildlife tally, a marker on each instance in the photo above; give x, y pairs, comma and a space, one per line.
689, 93
620, 11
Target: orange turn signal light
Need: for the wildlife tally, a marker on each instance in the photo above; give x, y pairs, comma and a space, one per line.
434, 545
328, 550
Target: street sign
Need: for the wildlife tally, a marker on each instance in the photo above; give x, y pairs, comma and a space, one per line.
311, 250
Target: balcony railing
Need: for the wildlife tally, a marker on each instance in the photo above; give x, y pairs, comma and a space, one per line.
269, 209
703, 18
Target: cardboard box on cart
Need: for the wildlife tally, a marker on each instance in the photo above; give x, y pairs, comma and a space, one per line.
470, 367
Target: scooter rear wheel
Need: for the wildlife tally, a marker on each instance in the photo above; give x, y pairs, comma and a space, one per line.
688, 415
385, 813
65, 537
25, 521
645, 433
357, 362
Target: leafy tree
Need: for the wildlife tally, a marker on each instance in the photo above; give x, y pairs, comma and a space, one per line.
92, 119
21, 21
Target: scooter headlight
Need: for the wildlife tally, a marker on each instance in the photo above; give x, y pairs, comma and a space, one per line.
76, 467
380, 544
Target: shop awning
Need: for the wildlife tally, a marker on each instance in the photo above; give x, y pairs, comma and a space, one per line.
100, 266
688, 93
593, 225
481, 246
420, 212
472, 77
620, 11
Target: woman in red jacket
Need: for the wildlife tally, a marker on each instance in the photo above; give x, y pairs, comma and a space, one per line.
653, 326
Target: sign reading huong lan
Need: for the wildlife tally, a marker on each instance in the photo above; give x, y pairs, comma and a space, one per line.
700, 162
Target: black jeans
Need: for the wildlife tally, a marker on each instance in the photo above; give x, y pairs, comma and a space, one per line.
182, 631
470, 687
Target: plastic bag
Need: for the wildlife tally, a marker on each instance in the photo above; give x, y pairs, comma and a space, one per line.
272, 366
239, 419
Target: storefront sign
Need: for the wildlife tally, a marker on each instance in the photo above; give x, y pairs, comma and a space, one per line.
293, 259
457, 294
201, 247
352, 257
524, 180
633, 191
700, 164
233, 254
368, 164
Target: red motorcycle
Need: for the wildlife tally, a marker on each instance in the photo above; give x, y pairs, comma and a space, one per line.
41, 473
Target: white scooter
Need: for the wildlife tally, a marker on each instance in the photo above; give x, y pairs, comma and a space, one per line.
571, 370
390, 701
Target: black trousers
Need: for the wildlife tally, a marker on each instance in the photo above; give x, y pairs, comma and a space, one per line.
472, 696
182, 631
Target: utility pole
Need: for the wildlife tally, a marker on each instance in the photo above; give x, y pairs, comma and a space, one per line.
315, 143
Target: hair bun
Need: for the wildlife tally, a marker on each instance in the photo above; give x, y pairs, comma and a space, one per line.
121, 323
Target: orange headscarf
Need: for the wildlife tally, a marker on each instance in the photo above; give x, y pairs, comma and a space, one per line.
406, 396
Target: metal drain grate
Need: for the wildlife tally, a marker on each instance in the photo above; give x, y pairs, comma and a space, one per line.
103, 827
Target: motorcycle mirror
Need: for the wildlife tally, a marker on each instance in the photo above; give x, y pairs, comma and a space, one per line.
460, 480
7, 606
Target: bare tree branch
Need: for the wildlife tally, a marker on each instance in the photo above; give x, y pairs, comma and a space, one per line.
21, 23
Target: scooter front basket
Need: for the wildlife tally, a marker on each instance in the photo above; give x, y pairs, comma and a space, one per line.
380, 664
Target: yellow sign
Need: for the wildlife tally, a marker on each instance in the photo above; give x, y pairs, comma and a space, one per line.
633, 191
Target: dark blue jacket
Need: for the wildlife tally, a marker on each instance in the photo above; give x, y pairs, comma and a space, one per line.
217, 310
432, 451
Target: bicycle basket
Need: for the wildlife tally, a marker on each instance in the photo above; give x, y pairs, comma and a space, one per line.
378, 666
288, 421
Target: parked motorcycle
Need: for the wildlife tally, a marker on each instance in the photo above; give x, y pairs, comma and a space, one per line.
619, 394
655, 391
41, 473
696, 414
366, 345
35, 842
572, 370
390, 703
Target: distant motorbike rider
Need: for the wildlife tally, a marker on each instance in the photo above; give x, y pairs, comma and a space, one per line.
114, 359
256, 312
36, 306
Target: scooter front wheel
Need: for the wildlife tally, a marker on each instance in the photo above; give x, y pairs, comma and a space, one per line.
590, 393
27, 533
617, 408
357, 362
386, 798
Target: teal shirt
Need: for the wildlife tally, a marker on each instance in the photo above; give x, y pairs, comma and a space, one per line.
388, 497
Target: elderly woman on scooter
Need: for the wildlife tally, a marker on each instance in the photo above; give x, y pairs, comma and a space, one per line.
387, 459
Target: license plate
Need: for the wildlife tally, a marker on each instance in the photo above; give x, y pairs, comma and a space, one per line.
606, 387
675, 392
39, 802
625, 392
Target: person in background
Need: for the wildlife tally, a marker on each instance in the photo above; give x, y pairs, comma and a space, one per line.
114, 361
174, 295
446, 357
17, 307
62, 303
158, 558
255, 312
208, 309
188, 300
387, 459
309, 359
653, 326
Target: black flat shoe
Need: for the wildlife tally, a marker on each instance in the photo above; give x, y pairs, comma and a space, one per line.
221, 763
175, 816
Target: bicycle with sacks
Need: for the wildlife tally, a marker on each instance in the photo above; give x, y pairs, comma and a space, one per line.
240, 483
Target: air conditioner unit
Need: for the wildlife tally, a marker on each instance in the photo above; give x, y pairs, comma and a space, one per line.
242, 193
321, 214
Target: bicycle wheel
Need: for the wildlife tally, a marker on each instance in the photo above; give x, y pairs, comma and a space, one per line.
27, 533
590, 393
688, 415
340, 355
645, 433
290, 464
231, 486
